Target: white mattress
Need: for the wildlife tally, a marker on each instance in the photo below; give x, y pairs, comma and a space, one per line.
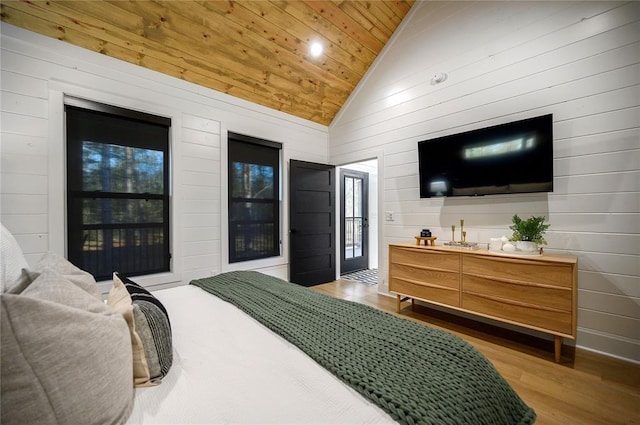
228, 368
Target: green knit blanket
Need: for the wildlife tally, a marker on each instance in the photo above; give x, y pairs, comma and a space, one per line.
417, 374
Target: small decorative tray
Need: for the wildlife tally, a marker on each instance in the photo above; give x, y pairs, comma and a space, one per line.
462, 245
520, 253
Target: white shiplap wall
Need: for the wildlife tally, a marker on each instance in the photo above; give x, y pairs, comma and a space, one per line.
507, 61
37, 72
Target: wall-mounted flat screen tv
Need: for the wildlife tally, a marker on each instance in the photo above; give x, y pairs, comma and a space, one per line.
516, 157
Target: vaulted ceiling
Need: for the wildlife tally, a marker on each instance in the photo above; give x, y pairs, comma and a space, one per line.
253, 50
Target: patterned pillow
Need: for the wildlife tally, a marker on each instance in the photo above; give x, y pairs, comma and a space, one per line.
152, 327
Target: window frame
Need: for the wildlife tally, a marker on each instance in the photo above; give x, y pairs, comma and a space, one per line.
277, 247
74, 174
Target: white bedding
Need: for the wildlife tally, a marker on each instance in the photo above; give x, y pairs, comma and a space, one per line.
228, 368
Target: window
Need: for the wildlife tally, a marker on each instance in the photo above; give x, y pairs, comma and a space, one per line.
254, 198
117, 190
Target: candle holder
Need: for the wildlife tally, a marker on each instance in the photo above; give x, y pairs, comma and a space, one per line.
462, 243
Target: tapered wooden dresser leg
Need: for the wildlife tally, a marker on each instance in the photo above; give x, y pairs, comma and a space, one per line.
558, 348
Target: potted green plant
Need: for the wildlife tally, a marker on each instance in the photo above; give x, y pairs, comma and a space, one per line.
528, 234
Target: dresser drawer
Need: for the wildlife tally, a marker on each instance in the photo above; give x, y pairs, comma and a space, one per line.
519, 270
533, 316
427, 276
557, 297
425, 292
431, 259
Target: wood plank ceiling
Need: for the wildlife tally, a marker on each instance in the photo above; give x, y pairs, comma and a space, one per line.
254, 50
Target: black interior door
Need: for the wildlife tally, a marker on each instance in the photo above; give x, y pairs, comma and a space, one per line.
312, 231
354, 221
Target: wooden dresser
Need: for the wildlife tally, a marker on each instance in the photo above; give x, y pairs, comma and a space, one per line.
535, 292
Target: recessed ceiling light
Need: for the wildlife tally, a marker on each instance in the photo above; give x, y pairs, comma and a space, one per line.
315, 49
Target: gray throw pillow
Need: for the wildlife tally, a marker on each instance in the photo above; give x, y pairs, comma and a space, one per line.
66, 356
73, 274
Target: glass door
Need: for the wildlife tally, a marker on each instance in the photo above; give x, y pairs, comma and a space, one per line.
354, 221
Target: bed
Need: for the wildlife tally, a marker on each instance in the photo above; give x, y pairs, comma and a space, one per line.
247, 375
239, 348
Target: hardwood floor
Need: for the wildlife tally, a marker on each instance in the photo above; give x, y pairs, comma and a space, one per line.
584, 388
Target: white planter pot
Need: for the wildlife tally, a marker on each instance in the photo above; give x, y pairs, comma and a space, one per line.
526, 246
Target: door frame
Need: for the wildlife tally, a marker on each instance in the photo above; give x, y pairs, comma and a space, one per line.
353, 158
